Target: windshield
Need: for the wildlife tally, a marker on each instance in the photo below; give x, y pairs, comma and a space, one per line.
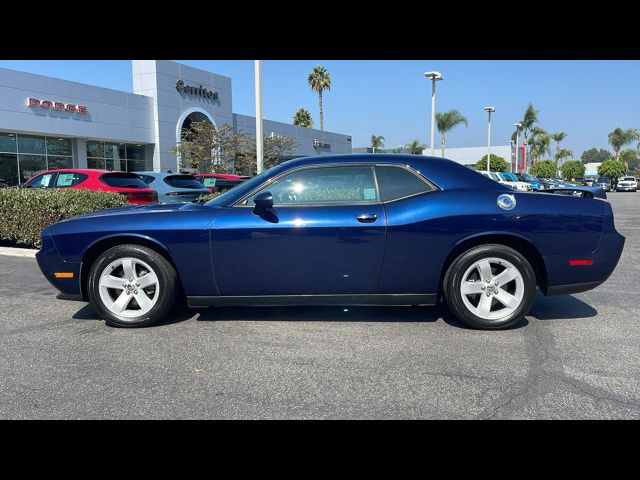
509, 177
240, 190
529, 178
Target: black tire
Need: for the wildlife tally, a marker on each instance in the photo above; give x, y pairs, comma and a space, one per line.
167, 282
453, 281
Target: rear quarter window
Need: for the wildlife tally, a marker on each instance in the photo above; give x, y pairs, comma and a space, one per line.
398, 182
123, 180
70, 179
183, 181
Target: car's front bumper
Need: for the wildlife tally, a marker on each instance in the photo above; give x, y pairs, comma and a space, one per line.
50, 263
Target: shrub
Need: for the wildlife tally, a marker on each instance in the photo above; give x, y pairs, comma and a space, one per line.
543, 169
25, 212
572, 169
497, 164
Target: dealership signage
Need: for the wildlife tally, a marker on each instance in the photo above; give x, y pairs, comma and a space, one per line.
51, 105
198, 91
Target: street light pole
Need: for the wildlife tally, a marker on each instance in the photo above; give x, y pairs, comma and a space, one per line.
489, 110
434, 76
258, 81
517, 125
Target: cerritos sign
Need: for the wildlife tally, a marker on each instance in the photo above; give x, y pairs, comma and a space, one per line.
51, 105
198, 91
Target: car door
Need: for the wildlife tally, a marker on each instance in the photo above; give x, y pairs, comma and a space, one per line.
326, 236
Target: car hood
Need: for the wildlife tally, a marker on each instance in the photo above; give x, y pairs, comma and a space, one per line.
138, 209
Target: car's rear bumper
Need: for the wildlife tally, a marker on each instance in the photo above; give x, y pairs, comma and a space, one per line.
564, 278
50, 263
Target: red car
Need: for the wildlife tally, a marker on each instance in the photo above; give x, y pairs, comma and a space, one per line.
218, 182
129, 184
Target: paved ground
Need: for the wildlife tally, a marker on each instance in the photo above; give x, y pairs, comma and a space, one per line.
574, 357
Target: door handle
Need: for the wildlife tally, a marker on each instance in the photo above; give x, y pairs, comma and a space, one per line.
367, 218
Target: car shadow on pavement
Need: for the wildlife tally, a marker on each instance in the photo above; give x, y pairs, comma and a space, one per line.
553, 308
564, 307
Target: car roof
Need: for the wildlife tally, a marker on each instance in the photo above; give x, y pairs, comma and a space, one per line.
163, 174
81, 170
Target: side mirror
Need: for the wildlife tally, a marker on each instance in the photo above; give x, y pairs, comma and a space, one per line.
264, 204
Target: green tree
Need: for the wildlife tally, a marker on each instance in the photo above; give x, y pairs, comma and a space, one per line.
539, 143
496, 164
612, 169
273, 149
447, 121
303, 118
543, 169
619, 138
319, 81
630, 158
377, 142
558, 137
572, 169
562, 154
529, 119
207, 148
415, 147
594, 155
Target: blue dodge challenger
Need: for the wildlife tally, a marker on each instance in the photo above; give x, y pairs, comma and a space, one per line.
339, 230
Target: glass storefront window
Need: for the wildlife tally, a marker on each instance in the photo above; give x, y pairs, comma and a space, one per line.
136, 166
30, 165
9, 168
30, 144
96, 163
59, 146
95, 149
59, 162
8, 142
135, 152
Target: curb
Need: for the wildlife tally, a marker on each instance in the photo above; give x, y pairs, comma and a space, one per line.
18, 252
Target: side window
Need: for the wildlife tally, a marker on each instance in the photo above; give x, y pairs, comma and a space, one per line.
397, 182
70, 179
42, 181
324, 185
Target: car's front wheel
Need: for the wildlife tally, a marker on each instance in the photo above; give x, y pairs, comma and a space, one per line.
490, 287
132, 286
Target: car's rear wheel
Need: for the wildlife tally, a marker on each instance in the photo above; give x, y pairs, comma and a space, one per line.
490, 287
132, 286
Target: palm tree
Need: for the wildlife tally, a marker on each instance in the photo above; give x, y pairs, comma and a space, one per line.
415, 147
319, 81
377, 141
558, 137
528, 121
619, 138
540, 143
562, 154
303, 118
448, 121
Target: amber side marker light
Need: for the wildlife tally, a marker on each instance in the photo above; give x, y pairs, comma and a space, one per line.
575, 263
63, 274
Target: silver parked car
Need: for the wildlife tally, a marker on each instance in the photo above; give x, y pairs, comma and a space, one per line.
174, 187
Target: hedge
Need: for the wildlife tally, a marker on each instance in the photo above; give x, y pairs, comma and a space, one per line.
25, 212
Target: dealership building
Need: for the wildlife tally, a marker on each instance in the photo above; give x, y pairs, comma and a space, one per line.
48, 123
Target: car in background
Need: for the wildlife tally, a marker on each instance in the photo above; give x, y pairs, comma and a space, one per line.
535, 182
220, 182
128, 184
174, 187
512, 181
3, 183
604, 183
627, 184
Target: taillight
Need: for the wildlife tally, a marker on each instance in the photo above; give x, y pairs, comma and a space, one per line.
142, 197
575, 263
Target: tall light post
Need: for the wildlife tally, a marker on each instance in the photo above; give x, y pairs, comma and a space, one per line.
258, 80
489, 110
518, 125
434, 76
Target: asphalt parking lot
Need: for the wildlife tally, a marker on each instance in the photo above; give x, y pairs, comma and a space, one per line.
574, 357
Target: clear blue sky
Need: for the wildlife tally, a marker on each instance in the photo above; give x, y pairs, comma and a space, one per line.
586, 99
